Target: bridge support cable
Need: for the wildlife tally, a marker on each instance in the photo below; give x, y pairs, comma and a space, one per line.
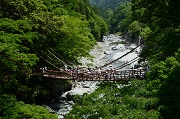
47, 56
65, 65
46, 60
127, 63
51, 58
57, 58
121, 56
57, 53
171, 30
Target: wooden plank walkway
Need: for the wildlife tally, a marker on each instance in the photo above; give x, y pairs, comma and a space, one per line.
107, 75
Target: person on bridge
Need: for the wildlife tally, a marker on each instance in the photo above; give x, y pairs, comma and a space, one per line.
82, 74
111, 73
99, 73
91, 74
71, 73
106, 75
44, 69
88, 73
77, 72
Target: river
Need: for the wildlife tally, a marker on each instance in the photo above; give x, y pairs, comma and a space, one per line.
111, 48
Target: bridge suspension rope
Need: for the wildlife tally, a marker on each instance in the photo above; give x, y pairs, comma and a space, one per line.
47, 56
53, 54
121, 56
127, 63
171, 30
57, 54
46, 60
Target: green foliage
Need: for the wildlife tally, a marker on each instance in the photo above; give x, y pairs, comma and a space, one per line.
16, 60
116, 14
96, 23
115, 100
162, 41
108, 16
27, 26
135, 27
145, 32
33, 111
98, 26
163, 81
163, 23
46, 19
77, 34
11, 109
8, 104
122, 18
105, 4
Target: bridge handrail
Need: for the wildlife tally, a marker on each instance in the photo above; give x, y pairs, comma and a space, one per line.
105, 74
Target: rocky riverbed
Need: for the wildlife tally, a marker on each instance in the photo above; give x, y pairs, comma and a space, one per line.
110, 49
63, 103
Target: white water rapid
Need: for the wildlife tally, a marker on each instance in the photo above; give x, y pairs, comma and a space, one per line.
103, 52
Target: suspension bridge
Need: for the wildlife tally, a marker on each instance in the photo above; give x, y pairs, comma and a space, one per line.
118, 73
92, 75
83, 74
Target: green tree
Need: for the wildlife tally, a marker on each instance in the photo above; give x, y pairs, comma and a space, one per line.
162, 36
110, 101
163, 22
11, 109
16, 60
163, 82
26, 27
76, 33
108, 16
122, 18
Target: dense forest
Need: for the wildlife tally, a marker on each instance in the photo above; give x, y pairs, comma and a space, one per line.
106, 4
116, 13
30, 29
157, 97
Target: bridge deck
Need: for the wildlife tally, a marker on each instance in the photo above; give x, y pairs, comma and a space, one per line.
121, 75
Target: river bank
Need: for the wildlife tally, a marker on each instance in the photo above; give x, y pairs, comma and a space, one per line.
111, 48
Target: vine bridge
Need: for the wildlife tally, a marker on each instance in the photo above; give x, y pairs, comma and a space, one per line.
93, 75
97, 74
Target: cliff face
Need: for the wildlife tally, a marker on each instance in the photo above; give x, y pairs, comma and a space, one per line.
133, 39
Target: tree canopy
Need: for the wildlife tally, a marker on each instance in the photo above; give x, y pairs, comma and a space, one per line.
116, 13
157, 23
162, 18
107, 4
32, 31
